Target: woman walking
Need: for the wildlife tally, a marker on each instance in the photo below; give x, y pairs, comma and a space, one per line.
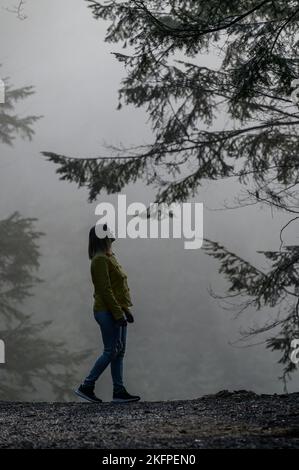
112, 304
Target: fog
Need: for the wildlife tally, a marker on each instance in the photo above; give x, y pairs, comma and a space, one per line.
180, 345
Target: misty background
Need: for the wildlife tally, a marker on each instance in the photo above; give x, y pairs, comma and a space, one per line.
180, 344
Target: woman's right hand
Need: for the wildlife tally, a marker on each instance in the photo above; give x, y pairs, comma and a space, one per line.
121, 322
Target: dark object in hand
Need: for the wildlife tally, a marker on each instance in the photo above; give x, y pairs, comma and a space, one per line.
129, 316
121, 322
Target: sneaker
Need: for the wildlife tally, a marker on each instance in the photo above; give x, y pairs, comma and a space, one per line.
122, 396
86, 392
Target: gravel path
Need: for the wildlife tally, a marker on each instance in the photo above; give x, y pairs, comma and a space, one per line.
226, 420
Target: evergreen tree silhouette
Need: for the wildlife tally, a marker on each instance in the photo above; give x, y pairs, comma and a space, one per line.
251, 84
31, 357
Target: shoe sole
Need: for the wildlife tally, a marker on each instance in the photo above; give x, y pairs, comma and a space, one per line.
126, 400
85, 397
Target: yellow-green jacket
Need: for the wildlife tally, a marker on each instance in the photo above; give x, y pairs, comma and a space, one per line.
111, 290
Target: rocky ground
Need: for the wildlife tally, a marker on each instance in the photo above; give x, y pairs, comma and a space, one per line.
226, 420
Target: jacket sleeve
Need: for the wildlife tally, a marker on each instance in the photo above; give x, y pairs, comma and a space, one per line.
102, 283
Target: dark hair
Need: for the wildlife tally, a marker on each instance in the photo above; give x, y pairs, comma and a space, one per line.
96, 243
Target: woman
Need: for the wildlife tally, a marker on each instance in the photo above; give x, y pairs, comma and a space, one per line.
112, 304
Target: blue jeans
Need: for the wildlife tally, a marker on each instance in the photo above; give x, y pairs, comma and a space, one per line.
114, 339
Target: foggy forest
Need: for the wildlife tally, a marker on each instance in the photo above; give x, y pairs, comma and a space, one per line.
109, 99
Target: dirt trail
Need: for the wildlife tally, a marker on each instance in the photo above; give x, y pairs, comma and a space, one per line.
226, 420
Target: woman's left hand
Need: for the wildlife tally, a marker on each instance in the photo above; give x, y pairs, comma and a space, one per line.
129, 316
